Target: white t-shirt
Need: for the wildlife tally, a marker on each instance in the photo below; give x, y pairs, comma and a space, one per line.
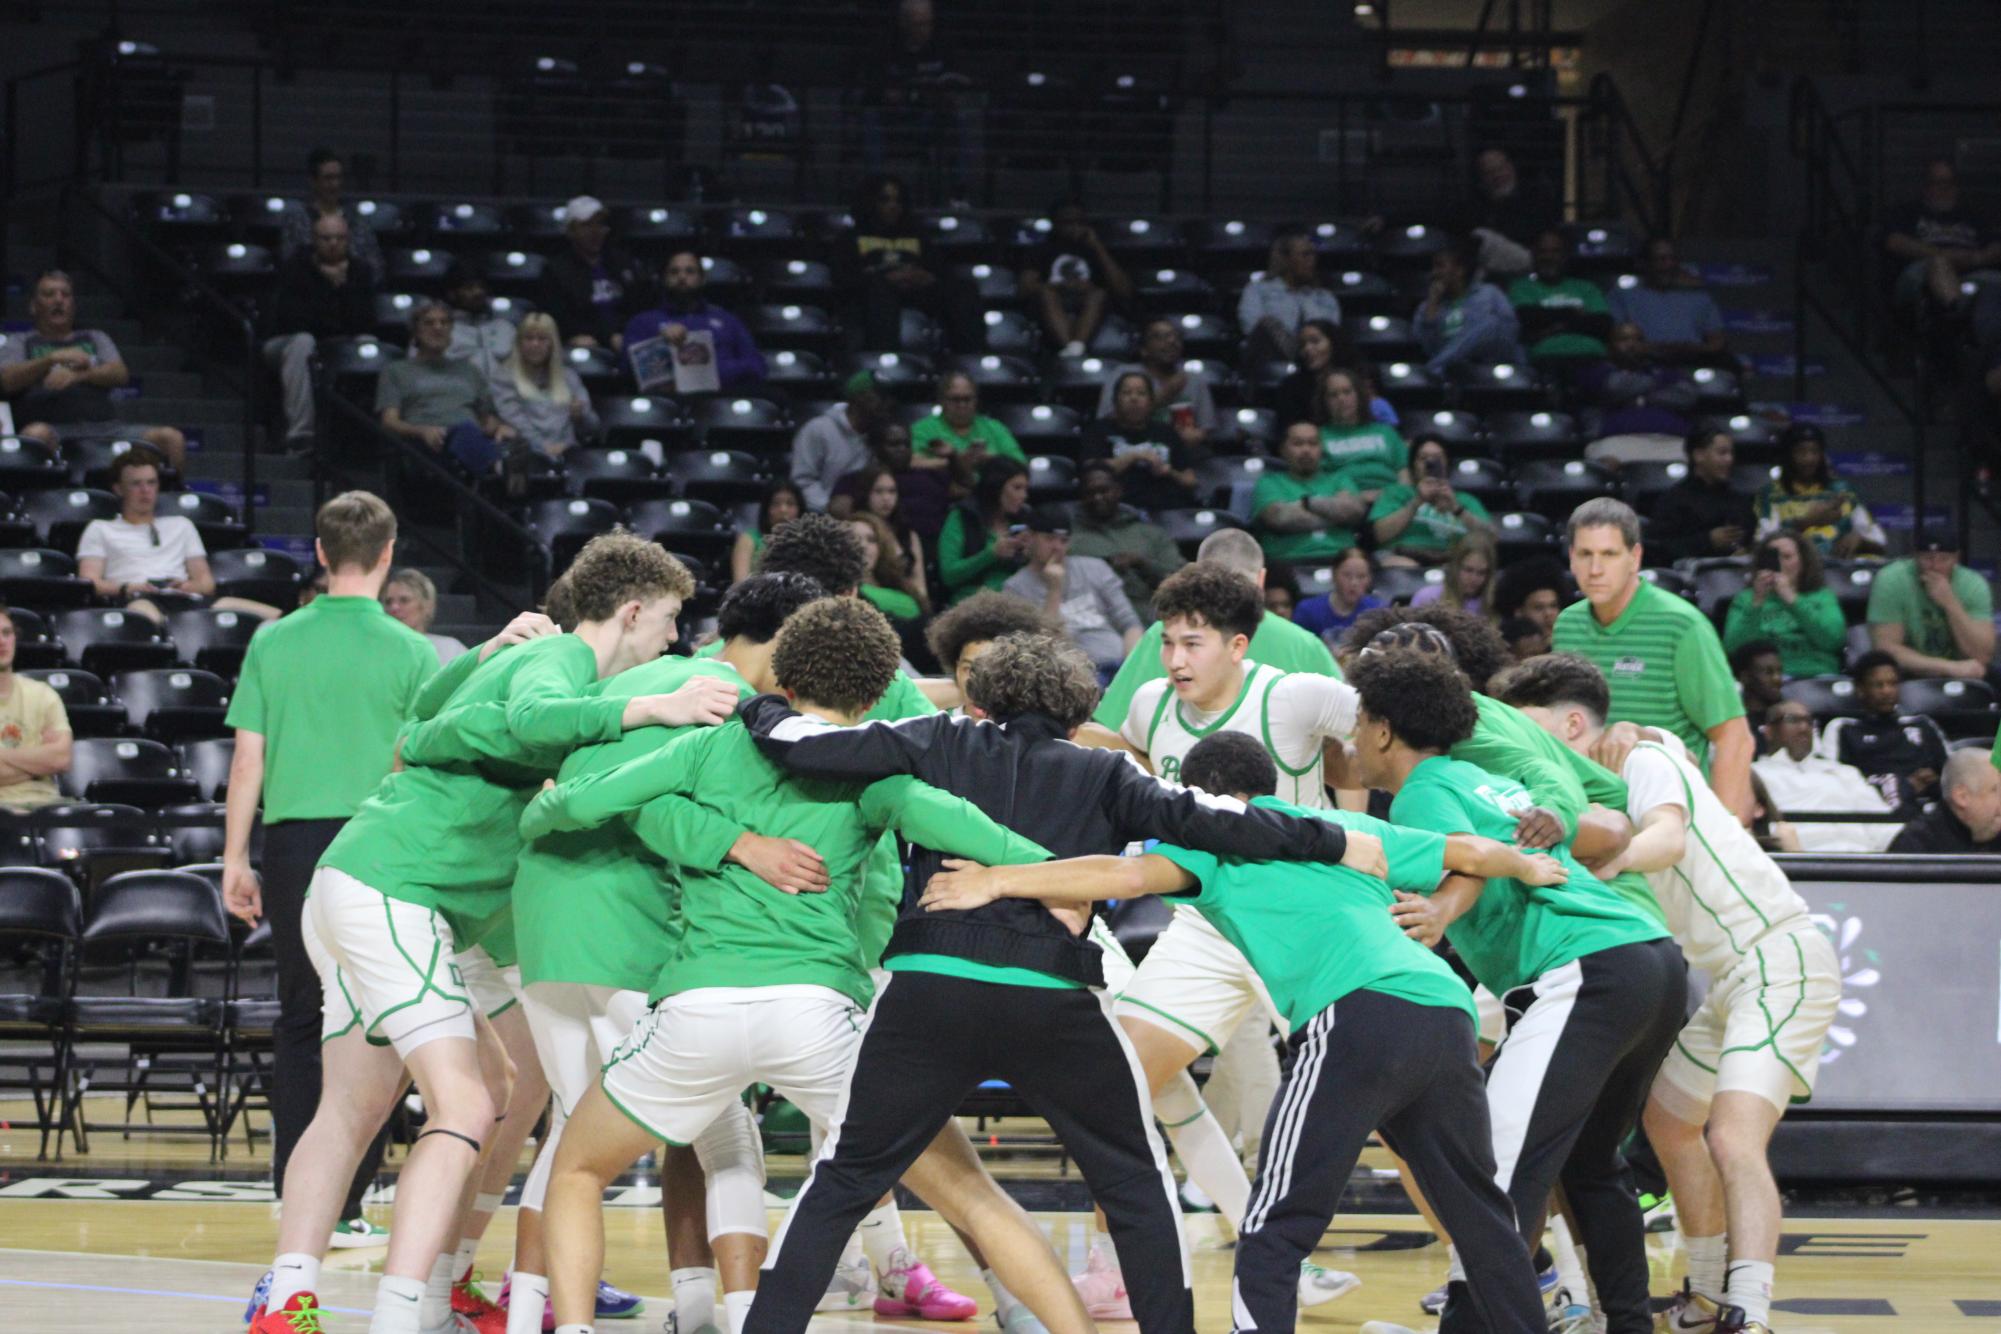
132, 556
1818, 783
1292, 713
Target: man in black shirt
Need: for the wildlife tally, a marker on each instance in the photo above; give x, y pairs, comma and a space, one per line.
1703, 514
1902, 754
1070, 277
1937, 241
323, 292
1969, 817
591, 286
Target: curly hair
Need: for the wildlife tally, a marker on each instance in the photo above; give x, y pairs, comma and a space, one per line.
1210, 595
618, 567
1230, 764
983, 618
1524, 578
1026, 673
1553, 679
1420, 696
838, 653
758, 607
559, 606
1477, 645
819, 547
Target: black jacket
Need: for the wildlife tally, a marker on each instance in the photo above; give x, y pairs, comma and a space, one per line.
1687, 511
1939, 830
305, 302
568, 285
1027, 775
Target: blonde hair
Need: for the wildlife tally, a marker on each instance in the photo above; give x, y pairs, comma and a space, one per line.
891, 568
417, 582
558, 389
1475, 543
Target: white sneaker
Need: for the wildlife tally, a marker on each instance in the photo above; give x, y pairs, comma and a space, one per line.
1319, 1286
1102, 1287
357, 1232
1195, 1197
853, 1288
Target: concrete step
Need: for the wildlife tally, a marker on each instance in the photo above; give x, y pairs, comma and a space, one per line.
287, 520
169, 384
192, 411
150, 359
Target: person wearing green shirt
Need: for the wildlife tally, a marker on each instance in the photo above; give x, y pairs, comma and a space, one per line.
959, 430
1307, 511
1595, 989
1368, 455
1562, 317
984, 541
1932, 614
1421, 522
1380, 1030
1788, 603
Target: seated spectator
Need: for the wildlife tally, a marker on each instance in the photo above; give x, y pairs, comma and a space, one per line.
1937, 243
1808, 498
58, 378
885, 266
683, 310
1322, 347
1305, 511
958, 432
783, 502
1800, 779
1646, 409
889, 581
1331, 613
1768, 823
1901, 753
1525, 638
1702, 514
1462, 322
1106, 528
1536, 589
1507, 213
1564, 318
540, 395
34, 733
1789, 603
480, 334
1274, 309
1760, 673
1415, 525
925, 484
326, 179
325, 291
143, 559
985, 540
1969, 817
835, 443
1070, 279
1932, 614
590, 286
442, 403
958, 637
1081, 591
917, 99
1366, 455
1470, 563
411, 597
873, 493
1155, 462
1676, 316
1281, 591
1181, 397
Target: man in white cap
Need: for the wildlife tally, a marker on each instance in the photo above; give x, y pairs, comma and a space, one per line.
592, 287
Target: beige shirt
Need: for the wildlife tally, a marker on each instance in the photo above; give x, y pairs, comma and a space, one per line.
27, 712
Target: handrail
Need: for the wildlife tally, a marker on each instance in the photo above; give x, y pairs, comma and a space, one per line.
191, 283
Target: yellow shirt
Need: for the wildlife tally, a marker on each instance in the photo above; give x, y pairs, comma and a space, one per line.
28, 711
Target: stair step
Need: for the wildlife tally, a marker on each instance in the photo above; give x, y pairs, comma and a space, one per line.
284, 520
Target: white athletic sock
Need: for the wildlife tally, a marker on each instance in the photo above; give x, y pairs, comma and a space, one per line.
694, 1298
572, 1329
1749, 1285
882, 1236
1005, 1302
1203, 1147
1455, 1269
462, 1259
437, 1307
736, 1306
1706, 1259
397, 1304
293, 1272
527, 1298
1569, 1266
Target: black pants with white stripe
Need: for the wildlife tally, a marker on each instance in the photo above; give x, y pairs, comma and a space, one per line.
1374, 1061
1584, 1043
929, 1041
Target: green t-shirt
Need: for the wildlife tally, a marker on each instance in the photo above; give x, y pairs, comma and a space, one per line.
1515, 933
892, 602
964, 568
1663, 662
1278, 643
1570, 294
1898, 598
1278, 487
1430, 529
986, 433
1367, 457
1811, 634
327, 688
1316, 933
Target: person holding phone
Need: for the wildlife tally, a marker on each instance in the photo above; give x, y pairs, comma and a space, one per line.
1789, 603
1155, 460
985, 540
1417, 524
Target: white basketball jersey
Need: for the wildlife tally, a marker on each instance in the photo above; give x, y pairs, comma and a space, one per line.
1291, 714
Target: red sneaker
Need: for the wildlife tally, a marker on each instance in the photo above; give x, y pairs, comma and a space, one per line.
301, 1315
470, 1304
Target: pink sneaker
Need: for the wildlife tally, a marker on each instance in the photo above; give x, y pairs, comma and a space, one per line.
1103, 1288
909, 1288
548, 1307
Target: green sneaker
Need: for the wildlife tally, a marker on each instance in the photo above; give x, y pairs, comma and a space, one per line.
358, 1232
1658, 1211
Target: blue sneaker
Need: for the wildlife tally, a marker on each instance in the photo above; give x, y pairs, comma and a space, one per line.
614, 1304
258, 1296
1433, 1303
1546, 1280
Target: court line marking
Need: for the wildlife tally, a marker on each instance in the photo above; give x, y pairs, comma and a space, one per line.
150, 1292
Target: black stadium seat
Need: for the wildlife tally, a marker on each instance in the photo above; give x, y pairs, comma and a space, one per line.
173, 703
91, 709
214, 518
41, 917
1041, 428
1554, 489
38, 577
754, 425
61, 516
1188, 527
135, 771
617, 475
723, 476
35, 644
695, 526
207, 762
214, 641
1000, 378
106, 640
1051, 477
259, 574
1522, 536
1827, 696
564, 526
631, 421
27, 464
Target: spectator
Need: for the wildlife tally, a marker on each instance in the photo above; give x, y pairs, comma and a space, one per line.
873, 493
958, 431
59, 378
442, 403
1470, 563
143, 558
1678, 319
985, 540
1306, 511
1418, 524
326, 178
1760, 673
1932, 614
1367, 455
835, 443
34, 733
1938, 243
1808, 498
1535, 589
1155, 461
1462, 322
1564, 318
958, 637
1274, 309
480, 334
924, 485
1789, 603
1081, 591
1969, 819
1070, 279
1645, 409
1281, 591
1901, 753
1106, 528
889, 582
1507, 214
1331, 613
1525, 638
916, 97
539, 394
1703, 514
1800, 779
1322, 347
412, 598
590, 285
683, 310
1661, 656
325, 291
886, 267
783, 502
1181, 394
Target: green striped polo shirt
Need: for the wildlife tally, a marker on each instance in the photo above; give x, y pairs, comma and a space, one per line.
1663, 661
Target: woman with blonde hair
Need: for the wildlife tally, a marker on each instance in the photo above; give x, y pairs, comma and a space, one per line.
411, 597
537, 393
1470, 566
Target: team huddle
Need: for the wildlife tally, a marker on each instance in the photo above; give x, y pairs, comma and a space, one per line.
625, 888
